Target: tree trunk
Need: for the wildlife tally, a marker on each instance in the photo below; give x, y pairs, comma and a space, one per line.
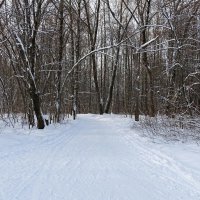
37, 107
99, 99
110, 95
60, 59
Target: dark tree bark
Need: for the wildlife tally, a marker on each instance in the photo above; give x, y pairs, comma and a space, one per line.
93, 39
60, 60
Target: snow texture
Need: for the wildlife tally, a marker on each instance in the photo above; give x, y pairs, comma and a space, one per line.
95, 158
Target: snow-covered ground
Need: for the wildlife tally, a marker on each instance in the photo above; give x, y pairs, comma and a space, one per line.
95, 158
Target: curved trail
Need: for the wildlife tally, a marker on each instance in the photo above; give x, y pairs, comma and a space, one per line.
96, 158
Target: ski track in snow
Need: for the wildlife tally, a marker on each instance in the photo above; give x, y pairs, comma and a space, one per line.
96, 158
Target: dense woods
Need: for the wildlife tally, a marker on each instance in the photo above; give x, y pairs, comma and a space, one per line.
60, 57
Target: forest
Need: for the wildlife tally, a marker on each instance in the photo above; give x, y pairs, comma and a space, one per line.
99, 99
65, 57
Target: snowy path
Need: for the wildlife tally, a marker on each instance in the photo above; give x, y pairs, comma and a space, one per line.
95, 158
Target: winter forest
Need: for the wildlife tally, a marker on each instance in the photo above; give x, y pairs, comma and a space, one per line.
63, 57
99, 99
